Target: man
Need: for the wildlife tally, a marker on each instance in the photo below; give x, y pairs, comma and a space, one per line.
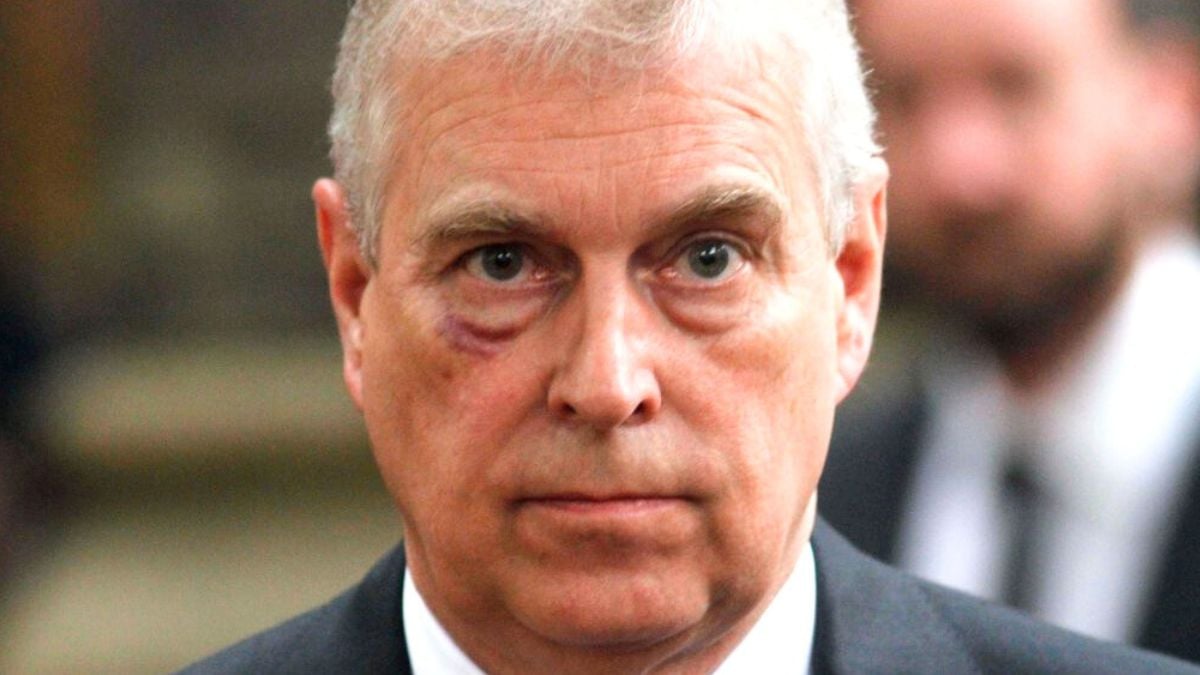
602, 270
1048, 455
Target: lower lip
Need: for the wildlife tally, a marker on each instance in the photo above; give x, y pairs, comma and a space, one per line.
591, 530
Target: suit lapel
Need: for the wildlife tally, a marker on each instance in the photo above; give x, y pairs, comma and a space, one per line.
368, 635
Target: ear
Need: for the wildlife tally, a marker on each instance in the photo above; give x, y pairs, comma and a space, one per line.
348, 274
1168, 114
860, 270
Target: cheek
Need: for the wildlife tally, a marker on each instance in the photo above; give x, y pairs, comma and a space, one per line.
765, 407
1079, 153
769, 390
441, 400
785, 346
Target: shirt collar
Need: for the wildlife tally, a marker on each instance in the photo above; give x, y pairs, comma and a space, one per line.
1112, 428
779, 642
430, 648
1125, 411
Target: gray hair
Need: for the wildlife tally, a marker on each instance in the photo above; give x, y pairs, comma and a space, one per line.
382, 38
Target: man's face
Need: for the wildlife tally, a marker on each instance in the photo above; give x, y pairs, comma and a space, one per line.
1009, 127
599, 358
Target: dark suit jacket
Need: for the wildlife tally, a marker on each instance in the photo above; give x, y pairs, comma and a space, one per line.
870, 619
865, 488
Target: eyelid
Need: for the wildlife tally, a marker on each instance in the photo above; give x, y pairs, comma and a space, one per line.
678, 252
472, 263
739, 244
537, 270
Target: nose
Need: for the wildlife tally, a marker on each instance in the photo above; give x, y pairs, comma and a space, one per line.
968, 153
605, 378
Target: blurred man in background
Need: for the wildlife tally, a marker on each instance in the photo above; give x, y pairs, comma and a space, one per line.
1048, 454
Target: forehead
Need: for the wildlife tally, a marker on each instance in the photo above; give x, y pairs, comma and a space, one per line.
939, 34
475, 127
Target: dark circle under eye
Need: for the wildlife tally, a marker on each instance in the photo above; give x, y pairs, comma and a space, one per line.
502, 262
708, 259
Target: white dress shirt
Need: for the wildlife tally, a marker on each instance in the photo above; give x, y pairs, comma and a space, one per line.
779, 642
1110, 438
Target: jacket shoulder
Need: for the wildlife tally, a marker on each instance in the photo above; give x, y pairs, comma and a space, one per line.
873, 618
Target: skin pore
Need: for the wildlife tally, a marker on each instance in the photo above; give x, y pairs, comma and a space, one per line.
599, 355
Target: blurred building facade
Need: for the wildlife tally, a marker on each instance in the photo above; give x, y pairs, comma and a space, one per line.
157, 159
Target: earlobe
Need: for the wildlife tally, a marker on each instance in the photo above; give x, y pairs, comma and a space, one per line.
348, 274
860, 269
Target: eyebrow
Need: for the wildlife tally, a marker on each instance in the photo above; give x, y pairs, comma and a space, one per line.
724, 202
477, 218
712, 203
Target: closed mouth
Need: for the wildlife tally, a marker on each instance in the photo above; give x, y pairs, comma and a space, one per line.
616, 504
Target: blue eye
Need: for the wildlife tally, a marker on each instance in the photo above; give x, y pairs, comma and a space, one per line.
497, 262
709, 260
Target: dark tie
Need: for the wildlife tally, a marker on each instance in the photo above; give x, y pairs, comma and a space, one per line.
1023, 501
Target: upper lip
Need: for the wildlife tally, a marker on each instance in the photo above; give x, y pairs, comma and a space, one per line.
588, 496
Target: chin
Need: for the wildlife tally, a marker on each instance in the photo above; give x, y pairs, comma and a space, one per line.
614, 615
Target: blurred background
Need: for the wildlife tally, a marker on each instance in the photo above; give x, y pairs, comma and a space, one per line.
179, 465
1037, 439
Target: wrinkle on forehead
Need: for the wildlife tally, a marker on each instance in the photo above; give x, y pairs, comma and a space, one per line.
468, 92
467, 216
